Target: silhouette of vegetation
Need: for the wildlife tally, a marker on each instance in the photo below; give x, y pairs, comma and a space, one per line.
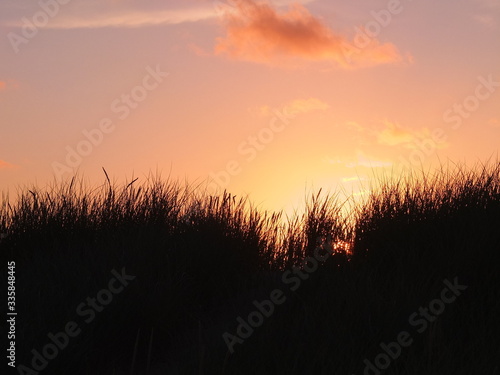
201, 260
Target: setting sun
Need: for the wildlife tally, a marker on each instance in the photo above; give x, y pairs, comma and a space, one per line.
250, 186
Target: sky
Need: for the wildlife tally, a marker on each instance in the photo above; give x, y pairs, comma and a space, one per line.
271, 99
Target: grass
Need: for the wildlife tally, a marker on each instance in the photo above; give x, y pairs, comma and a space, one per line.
200, 261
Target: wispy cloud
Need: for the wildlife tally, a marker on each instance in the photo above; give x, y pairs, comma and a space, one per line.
9, 85
486, 20
389, 133
135, 18
4, 164
295, 107
366, 161
487, 15
78, 14
353, 179
257, 32
393, 134
307, 105
356, 126
129, 14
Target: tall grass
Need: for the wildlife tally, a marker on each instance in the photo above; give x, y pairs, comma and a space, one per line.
200, 261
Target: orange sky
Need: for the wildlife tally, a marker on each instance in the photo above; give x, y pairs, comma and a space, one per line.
267, 98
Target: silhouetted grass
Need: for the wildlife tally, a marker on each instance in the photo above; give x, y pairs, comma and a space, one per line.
200, 261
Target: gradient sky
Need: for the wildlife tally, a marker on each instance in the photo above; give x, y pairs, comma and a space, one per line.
266, 98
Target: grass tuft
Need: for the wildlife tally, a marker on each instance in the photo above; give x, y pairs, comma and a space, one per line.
201, 260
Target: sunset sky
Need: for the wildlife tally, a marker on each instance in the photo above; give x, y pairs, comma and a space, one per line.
267, 98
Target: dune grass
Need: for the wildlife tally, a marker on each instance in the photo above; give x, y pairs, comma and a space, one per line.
200, 261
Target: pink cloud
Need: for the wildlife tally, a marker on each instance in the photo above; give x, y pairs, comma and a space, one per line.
4, 164
257, 32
